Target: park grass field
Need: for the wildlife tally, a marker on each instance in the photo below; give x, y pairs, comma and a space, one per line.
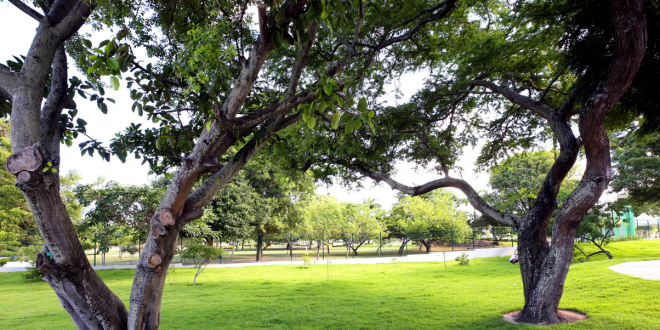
382, 296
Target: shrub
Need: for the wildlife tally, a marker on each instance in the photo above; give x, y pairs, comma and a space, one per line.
463, 259
201, 255
306, 260
31, 273
4, 261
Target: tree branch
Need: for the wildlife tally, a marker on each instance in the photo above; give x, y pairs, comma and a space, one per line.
523, 101
479, 203
74, 19
8, 80
27, 9
301, 60
50, 114
446, 7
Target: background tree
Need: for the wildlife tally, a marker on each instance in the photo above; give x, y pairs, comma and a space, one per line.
201, 255
636, 174
597, 227
418, 215
516, 181
518, 84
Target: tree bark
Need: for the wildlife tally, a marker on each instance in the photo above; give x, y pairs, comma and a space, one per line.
544, 267
260, 247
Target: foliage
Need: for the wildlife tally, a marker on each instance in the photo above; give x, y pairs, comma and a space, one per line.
306, 260
636, 168
435, 210
31, 273
201, 255
118, 211
260, 199
517, 180
129, 248
4, 261
463, 259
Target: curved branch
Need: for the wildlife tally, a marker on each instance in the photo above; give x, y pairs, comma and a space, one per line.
479, 203
446, 7
521, 100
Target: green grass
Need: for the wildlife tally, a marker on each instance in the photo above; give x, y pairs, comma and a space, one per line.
382, 296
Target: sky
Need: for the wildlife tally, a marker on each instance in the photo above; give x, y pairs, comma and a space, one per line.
104, 127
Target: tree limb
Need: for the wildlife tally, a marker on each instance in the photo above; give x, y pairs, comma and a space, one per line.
301, 60
74, 19
58, 97
521, 100
474, 198
8, 80
27, 9
446, 7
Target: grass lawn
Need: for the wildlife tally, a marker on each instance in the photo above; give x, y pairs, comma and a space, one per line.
382, 296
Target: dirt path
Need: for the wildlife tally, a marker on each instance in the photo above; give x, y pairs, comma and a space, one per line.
649, 270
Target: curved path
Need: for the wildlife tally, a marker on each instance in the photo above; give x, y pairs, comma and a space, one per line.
649, 270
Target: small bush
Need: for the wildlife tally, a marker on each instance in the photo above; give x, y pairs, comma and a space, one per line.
306, 260
31, 273
463, 259
4, 261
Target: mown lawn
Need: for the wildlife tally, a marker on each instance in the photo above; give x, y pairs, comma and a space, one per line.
383, 296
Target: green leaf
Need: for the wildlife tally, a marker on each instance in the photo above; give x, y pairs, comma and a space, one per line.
371, 125
45, 169
54, 170
49, 164
311, 122
93, 57
109, 48
139, 109
327, 89
348, 129
362, 105
68, 142
216, 180
112, 62
114, 82
158, 143
87, 43
335, 120
322, 106
208, 125
371, 114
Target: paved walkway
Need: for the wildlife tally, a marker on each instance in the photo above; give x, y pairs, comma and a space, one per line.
435, 256
649, 270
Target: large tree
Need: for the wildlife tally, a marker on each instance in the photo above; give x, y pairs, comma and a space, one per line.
513, 84
237, 86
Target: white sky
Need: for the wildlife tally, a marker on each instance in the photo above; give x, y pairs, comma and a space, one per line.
104, 127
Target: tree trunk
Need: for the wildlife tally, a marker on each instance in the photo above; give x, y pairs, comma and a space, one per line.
544, 267
82, 293
600, 246
403, 245
260, 245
